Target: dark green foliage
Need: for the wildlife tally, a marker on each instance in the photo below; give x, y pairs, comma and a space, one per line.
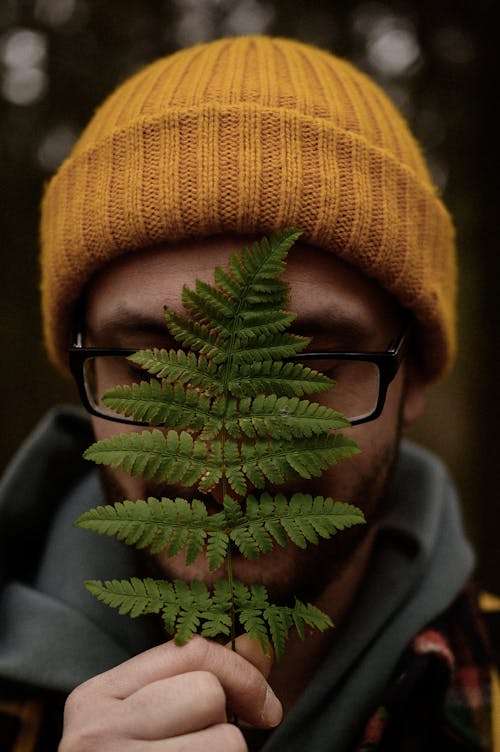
236, 417
189, 608
174, 524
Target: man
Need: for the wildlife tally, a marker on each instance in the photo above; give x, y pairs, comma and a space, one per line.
195, 156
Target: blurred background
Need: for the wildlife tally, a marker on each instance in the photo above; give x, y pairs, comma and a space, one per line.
437, 60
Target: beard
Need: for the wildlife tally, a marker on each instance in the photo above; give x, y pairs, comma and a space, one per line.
285, 572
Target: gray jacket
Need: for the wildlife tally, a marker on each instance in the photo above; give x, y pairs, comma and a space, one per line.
54, 635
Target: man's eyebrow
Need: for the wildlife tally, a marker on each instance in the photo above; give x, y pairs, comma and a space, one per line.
322, 322
123, 323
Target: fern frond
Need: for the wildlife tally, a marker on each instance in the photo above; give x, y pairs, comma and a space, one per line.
268, 622
225, 456
264, 322
275, 347
174, 458
252, 279
250, 604
235, 391
180, 367
280, 418
277, 461
219, 347
222, 596
134, 597
263, 264
217, 549
197, 337
308, 614
190, 608
280, 378
303, 519
227, 284
161, 403
221, 326
162, 524
206, 303
279, 620
193, 600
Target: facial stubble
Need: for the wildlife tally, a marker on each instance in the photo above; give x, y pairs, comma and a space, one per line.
290, 572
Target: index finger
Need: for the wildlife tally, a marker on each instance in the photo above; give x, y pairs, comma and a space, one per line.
246, 689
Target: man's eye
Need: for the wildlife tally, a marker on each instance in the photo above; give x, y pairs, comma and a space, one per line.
134, 373
327, 366
117, 370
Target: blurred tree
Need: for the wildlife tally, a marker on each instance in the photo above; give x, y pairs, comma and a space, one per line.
59, 58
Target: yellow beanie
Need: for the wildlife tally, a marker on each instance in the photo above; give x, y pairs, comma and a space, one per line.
247, 135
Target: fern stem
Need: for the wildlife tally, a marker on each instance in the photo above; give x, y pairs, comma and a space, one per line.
229, 558
233, 610
225, 392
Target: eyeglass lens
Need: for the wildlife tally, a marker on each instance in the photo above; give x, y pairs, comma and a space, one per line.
355, 395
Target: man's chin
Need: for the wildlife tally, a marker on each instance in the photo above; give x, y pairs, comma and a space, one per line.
285, 572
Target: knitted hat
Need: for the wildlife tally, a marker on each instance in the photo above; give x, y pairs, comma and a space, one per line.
250, 135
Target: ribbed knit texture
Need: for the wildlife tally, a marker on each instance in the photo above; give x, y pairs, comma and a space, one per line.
250, 135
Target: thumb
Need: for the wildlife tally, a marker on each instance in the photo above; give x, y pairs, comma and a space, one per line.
250, 649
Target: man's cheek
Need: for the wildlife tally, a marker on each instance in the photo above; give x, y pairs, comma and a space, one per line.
118, 486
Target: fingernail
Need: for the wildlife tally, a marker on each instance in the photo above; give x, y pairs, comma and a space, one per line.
272, 712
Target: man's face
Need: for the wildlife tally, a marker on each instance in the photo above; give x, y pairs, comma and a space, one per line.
335, 305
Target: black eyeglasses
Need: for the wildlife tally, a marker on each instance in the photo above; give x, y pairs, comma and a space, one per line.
361, 378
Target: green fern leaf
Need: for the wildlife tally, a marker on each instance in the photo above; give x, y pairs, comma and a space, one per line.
161, 403
216, 623
226, 456
263, 264
217, 549
241, 594
275, 347
308, 614
252, 278
232, 511
207, 303
280, 378
222, 596
277, 461
188, 608
264, 322
280, 418
228, 284
280, 621
246, 542
134, 597
113, 520
194, 546
191, 608
251, 604
197, 337
174, 458
162, 524
303, 520
177, 366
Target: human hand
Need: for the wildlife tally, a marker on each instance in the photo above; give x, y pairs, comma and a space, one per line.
173, 698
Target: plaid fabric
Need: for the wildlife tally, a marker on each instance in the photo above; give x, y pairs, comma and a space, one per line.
29, 722
440, 695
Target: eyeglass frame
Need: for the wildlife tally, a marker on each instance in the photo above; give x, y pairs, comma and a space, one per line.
387, 362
